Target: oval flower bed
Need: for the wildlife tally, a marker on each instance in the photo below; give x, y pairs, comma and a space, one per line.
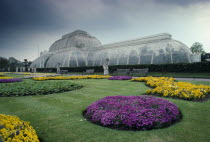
6, 77
12, 129
71, 77
120, 78
133, 112
167, 87
36, 88
10, 80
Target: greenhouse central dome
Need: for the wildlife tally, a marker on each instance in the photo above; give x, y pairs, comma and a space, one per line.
79, 49
77, 39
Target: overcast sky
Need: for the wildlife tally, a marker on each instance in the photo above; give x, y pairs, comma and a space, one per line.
29, 25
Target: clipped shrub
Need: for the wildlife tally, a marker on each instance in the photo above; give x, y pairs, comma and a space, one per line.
120, 78
12, 129
1, 75
36, 88
133, 112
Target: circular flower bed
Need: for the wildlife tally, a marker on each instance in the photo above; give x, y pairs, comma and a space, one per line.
120, 78
133, 112
10, 80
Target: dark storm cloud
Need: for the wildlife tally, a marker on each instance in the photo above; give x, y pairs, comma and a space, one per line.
25, 24
25, 14
22, 20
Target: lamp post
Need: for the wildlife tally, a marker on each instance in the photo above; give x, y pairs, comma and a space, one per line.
38, 50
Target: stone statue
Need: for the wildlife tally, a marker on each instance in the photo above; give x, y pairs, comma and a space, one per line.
9, 69
106, 67
16, 69
34, 68
58, 69
29, 69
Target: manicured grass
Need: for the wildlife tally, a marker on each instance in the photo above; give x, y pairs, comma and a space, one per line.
58, 117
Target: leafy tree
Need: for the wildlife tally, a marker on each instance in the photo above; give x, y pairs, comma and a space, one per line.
3, 62
197, 48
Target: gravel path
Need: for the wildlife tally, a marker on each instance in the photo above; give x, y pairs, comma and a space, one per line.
193, 79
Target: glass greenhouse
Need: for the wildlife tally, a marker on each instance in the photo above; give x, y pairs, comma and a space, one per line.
79, 49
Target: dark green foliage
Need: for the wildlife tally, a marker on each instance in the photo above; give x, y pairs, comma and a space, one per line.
36, 88
205, 56
181, 67
197, 48
11, 62
3, 62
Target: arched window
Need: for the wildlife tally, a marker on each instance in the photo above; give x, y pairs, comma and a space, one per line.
80, 59
133, 58
72, 60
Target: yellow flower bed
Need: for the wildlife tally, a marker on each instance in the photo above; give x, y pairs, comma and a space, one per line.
6, 77
164, 86
12, 129
72, 77
38, 74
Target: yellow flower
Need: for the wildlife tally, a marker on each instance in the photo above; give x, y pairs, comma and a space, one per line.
71, 77
6, 77
165, 86
15, 130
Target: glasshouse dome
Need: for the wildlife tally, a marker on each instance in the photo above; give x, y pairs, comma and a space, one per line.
79, 49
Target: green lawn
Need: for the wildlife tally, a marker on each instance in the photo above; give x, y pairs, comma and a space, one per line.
58, 117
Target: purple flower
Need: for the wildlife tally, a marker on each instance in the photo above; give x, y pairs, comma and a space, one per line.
120, 78
10, 80
135, 112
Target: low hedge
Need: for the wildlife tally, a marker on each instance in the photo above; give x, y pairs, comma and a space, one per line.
36, 88
178, 67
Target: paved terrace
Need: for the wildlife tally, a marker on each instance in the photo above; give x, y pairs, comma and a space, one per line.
193, 79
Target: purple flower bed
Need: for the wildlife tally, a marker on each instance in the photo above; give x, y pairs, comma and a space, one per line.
133, 112
10, 80
120, 78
